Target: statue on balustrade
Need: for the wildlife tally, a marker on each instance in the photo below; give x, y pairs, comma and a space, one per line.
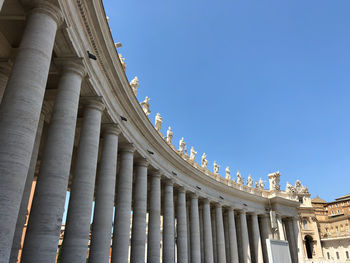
204, 161
216, 168
239, 178
250, 181
122, 61
228, 173
193, 154
261, 184
290, 188
145, 106
274, 181
134, 84
182, 146
169, 136
158, 122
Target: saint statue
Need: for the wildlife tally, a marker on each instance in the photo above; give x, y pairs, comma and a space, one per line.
261, 184
204, 161
228, 173
239, 178
158, 122
169, 136
216, 168
193, 154
134, 84
250, 181
145, 106
182, 146
122, 61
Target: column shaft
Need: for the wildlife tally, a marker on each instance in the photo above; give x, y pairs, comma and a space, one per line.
266, 233
213, 227
182, 256
168, 224
280, 228
227, 240
47, 210
104, 201
138, 236
207, 232
299, 241
256, 240
195, 234
19, 117
232, 236
121, 232
153, 243
245, 238
291, 240
220, 237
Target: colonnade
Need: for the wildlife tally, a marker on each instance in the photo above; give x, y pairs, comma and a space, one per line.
155, 218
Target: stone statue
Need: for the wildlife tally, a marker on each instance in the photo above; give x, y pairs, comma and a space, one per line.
193, 154
182, 146
169, 136
122, 61
250, 181
216, 168
204, 161
274, 181
134, 84
290, 189
239, 178
300, 189
145, 106
158, 122
228, 173
261, 184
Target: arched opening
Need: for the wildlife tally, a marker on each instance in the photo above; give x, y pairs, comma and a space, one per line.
308, 245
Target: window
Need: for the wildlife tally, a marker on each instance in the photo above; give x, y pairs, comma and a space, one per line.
304, 224
342, 203
337, 253
347, 254
336, 205
328, 255
336, 229
338, 211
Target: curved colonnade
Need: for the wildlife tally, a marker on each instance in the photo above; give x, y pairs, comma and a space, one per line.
69, 118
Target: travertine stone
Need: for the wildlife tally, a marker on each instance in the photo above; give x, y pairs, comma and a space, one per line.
76, 234
121, 231
232, 236
245, 238
104, 200
50, 194
291, 240
281, 234
195, 234
168, 224
299, 241
213, 227
182, 250
220, 237
19, 116
207, 231
266, 233
258, 255
138, 236
153, 243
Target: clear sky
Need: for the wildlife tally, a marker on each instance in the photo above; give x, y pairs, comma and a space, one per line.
259, 86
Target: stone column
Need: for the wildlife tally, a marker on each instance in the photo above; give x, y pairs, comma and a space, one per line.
280, 228
245, 238
299, 240
20, 112
256, 239
1, 3
232, 236
16, 244
47, 210
195, 234
227, 240
153, 243
266, 233
207, 232
220, 237
138, 236
121, 231
168, 224
291, 240
77, 230
5, 71
213, 227
100, 245
182, 255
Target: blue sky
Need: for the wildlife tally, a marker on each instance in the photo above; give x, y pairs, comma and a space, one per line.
259, 86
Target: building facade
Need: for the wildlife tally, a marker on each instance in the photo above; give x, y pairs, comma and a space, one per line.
70, 119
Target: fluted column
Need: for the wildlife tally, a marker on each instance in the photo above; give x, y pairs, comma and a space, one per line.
207, 232
232, 236
258, 255
220, 237
299, 240
104, 201
153, 242
195, 234
245, 237
168, 224
46, 214
76, 233
16, 244
138, 236
280, 228
121, 231
20, 112
182, 255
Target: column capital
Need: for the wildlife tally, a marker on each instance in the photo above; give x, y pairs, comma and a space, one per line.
111, 128
156, 174
168, 182
229, 208
193, 195
94, 102
45, 7
127, 147
141, 162
181, 189
263, 215
206, 201
71, 64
